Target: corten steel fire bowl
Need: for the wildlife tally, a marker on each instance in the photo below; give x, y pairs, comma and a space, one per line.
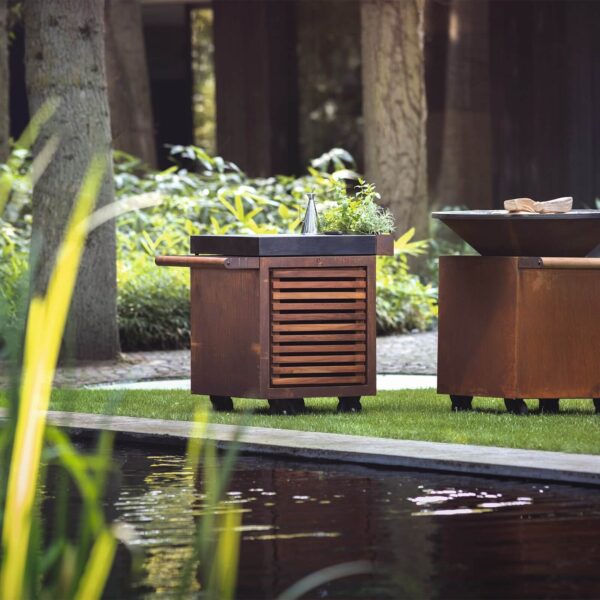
499, 233
521, 321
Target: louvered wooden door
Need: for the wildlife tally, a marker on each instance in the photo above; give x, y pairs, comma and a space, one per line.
318, 326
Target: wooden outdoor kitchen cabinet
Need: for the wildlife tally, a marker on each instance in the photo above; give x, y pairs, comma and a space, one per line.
283, 317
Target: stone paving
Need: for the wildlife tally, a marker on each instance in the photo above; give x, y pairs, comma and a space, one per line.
413, 354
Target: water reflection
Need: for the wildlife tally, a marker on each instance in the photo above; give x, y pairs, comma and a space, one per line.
433, 536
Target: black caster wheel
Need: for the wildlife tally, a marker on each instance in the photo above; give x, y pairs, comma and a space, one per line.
287, 406
221, 403
549, 406
349, 404
597, 405
516, 406
461, 403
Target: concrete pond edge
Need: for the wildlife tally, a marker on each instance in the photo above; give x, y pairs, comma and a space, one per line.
487, 461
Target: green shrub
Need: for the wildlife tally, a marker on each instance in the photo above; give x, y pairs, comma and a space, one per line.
154, 306
404, 302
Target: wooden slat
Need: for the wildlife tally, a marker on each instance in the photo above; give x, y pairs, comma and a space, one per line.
315, 369
322, 358
352, 379
304, 316
320, 337
360, 295
327, 284
319, 305
319, 326
287, 349
321, 273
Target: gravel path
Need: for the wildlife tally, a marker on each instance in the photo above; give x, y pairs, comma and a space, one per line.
413, 353
410, 353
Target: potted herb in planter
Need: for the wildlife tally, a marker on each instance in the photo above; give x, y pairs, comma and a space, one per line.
359, 214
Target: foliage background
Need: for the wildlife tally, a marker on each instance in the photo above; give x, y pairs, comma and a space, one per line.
201, 193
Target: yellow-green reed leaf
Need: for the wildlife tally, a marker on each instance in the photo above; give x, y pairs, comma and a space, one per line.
6, 183
117, 209
42, 115
43, 158
98, 567
195, 442
46, 321
78, 467
225, 564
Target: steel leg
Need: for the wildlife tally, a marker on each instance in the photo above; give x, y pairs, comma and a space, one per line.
461, 403
349, 404
516, 406
221, 403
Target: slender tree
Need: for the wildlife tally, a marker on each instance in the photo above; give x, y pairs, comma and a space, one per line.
394, 107
4, 81
64, 58
128, 83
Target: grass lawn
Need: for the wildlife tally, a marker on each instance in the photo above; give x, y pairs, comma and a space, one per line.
404, 414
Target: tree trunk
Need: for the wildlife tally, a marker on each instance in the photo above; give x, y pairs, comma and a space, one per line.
4, 81
464, 140
128, 83
64, 59
394, 108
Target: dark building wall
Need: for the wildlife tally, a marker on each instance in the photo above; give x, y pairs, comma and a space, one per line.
545, 64
167, 37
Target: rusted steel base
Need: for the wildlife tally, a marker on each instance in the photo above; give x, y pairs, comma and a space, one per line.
511, 329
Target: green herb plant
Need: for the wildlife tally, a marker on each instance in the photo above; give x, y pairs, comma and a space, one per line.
358, 214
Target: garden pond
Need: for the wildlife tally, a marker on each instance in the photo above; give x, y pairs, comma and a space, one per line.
427, 535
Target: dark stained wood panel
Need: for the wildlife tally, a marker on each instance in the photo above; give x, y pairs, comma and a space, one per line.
319, 273
289, 306
281, 349
316, 358
353, 326
319, 337
318, 381
225, 332
319, 316
312, 329
293, 295
318, 368
331, 284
